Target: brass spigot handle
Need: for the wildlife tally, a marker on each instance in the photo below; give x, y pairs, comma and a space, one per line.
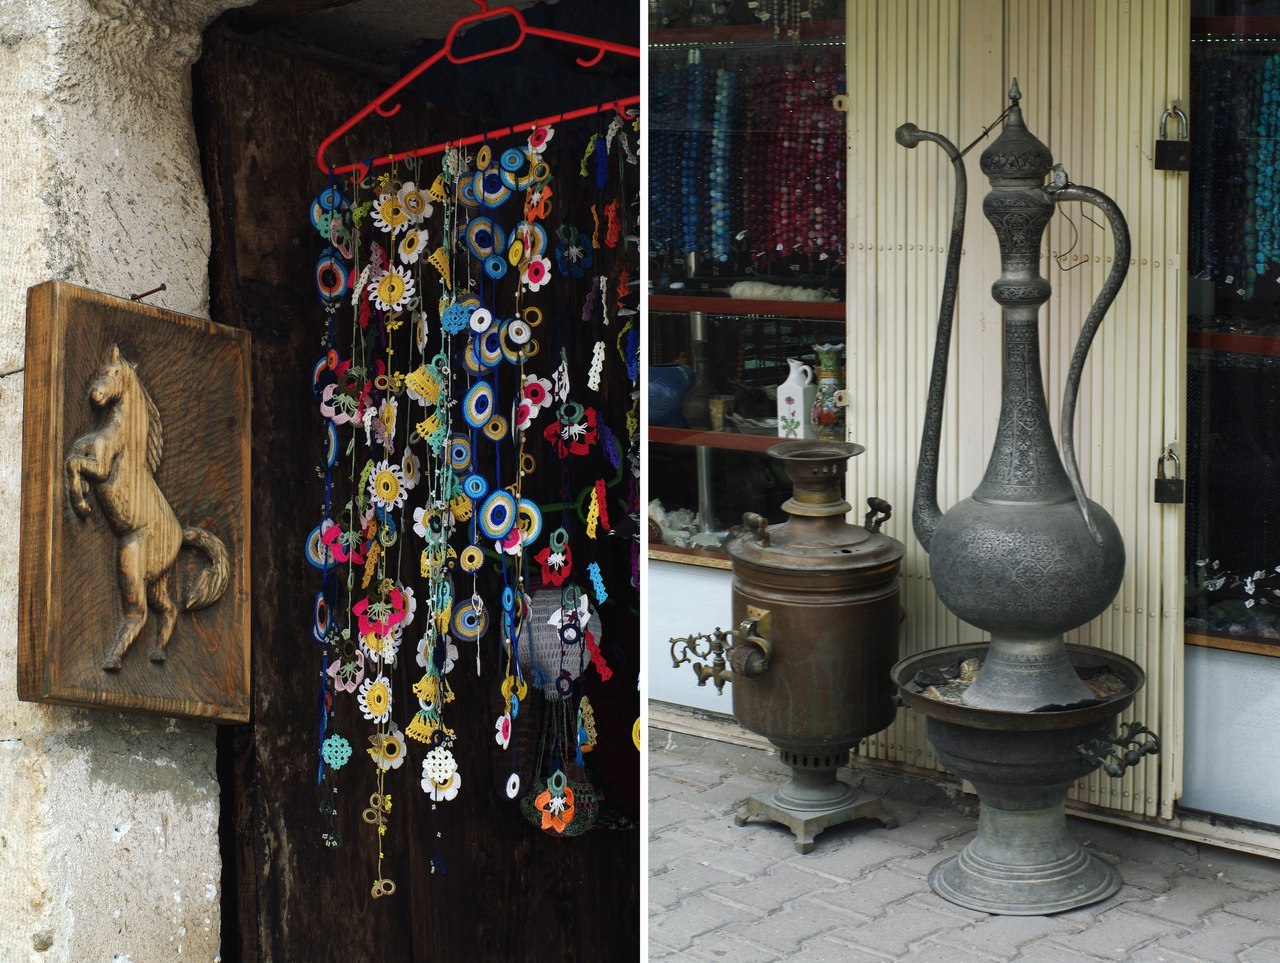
751, 652
1117, 753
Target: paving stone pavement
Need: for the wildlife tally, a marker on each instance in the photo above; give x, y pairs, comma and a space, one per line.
722, 892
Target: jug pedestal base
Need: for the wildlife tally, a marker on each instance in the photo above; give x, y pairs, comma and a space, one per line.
806, 823
1024, 865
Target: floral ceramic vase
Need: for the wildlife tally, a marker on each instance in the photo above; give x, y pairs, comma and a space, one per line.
828, 417
795, 401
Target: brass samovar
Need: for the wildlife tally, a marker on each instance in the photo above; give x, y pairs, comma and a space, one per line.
816, 611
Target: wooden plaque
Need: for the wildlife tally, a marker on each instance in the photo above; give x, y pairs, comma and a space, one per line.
134, 577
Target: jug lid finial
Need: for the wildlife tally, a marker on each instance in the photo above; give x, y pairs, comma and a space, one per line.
1016, 158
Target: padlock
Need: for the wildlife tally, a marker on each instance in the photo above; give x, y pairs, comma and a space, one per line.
1173, 155
1169, 491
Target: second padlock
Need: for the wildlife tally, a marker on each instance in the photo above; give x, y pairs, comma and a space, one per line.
1169, 491
1173, 155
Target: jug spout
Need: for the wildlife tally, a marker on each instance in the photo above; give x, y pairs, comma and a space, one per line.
925, 513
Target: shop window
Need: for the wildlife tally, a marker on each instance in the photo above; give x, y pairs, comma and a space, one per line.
746, 237
1233, 357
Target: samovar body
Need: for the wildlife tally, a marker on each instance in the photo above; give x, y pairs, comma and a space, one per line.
816, 618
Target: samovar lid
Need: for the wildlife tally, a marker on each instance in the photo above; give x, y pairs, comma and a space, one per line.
1017, 154
815, 538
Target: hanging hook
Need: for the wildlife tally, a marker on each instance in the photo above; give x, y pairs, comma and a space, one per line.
600, 52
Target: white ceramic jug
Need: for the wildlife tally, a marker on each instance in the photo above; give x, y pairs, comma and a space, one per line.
795, 399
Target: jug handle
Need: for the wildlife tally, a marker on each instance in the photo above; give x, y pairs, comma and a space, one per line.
808, 374
1061, 189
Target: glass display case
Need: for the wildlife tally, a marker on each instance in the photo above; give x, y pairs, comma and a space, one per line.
1233, 356
746, 237
716, 365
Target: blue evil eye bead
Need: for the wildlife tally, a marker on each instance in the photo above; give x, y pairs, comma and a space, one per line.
460, 453
317, 552
480, 320
489, 187
484, 237
469, 622
510, 178
564, 688
320, 622
495, 267
490, 348
512, 159
331, 275
597, 582
331, 199
330, 444
498, 513
529, 518
477, 406
455, 317
475, 486
467, 193
508, 599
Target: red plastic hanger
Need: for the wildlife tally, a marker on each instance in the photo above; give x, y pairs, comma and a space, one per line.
380, 103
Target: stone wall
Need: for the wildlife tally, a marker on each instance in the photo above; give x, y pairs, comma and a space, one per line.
108, 821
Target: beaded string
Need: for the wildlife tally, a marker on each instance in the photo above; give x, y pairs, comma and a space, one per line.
720, 181
752, 152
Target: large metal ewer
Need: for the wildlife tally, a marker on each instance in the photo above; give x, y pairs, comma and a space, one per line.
815, 605
1026, 558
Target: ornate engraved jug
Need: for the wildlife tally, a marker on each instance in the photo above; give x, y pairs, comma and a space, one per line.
1028, 556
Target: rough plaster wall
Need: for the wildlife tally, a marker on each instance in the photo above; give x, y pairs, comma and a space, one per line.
108, 822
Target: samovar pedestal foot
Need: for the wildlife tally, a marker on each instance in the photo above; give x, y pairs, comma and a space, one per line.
807, 816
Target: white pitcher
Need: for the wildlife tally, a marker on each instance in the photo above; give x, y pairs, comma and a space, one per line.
795, 399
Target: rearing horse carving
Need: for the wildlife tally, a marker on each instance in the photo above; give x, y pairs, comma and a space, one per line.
120, 458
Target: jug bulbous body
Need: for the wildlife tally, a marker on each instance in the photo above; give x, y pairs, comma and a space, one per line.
1010, 570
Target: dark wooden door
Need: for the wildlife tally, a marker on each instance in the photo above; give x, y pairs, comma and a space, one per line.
511, 892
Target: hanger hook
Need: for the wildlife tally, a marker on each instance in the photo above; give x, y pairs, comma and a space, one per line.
600, 52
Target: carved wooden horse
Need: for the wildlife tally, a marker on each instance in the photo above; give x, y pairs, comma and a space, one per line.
120, 458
